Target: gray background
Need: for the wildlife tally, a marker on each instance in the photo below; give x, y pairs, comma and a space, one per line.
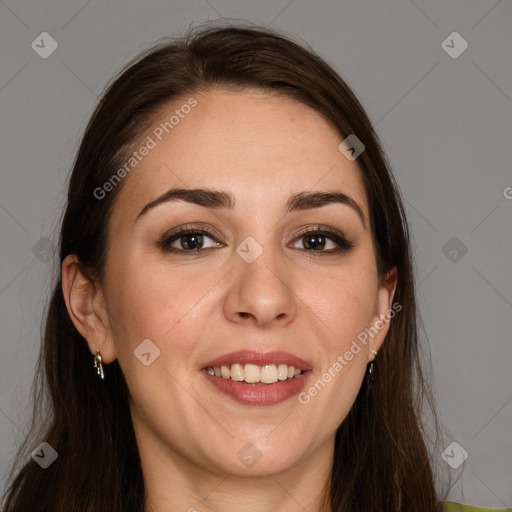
444, 122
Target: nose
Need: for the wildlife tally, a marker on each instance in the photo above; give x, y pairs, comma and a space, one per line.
262, 292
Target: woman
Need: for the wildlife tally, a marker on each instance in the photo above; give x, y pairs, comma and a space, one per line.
234, 325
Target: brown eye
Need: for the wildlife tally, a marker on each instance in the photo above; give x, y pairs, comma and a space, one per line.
318, 240
187, 241
315, 242
191, 241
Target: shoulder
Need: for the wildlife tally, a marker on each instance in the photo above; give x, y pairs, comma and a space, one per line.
450, 506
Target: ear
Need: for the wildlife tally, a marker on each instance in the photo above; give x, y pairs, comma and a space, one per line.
86, 307
383, 312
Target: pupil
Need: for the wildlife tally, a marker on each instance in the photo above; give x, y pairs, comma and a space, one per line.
190, 239
315, 242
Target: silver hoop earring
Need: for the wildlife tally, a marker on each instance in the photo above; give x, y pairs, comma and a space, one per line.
98, 364
369, 378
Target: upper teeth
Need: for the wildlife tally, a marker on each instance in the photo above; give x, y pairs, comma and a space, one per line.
268, 373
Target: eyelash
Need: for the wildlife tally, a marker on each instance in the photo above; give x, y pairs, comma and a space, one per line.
335, 236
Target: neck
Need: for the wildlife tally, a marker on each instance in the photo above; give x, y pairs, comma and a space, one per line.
173, 483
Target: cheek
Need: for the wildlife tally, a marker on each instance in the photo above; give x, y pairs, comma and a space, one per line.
152, 302
341, 315
168, 308
165, 305
342, 306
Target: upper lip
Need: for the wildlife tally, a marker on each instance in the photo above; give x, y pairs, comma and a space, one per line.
260, 359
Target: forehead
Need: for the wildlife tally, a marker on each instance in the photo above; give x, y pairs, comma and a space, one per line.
262, 147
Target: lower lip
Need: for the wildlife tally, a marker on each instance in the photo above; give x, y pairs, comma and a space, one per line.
259, 394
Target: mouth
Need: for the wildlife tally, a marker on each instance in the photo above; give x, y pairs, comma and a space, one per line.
254, 378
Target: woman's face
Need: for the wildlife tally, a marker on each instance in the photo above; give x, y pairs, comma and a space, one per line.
261, 286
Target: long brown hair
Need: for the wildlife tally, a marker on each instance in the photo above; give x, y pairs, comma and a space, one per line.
381, 458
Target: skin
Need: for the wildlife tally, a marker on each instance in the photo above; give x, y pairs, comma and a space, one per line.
262, 149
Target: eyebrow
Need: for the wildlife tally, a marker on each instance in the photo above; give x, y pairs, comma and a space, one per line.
215, 199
